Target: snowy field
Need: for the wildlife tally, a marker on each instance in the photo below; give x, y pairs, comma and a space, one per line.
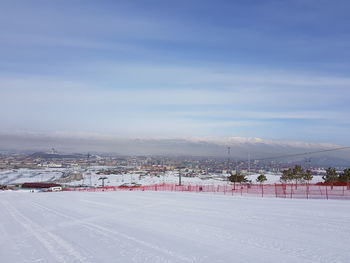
90, 178
24, 175
170, 227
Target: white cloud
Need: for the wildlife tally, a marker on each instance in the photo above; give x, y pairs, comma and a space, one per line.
153, 100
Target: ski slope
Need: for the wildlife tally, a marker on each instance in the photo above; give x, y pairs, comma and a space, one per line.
170, 227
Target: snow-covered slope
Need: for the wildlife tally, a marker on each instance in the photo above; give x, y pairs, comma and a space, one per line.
25, 175
90, 178
170, 227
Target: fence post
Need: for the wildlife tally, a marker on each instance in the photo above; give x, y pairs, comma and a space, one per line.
276, 190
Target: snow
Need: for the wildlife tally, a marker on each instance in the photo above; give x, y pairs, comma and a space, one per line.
24, 175
170, 227
92, 179
273, 178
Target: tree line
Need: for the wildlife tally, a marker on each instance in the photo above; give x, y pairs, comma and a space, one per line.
332, 176
298, 175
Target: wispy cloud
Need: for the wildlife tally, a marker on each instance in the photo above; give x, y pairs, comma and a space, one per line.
133, 100
272, 70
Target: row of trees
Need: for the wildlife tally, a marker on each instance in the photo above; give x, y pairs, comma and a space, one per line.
298, 175
239, 178
332, 176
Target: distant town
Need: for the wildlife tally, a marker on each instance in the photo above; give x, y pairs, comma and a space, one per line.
93, 170
148, 164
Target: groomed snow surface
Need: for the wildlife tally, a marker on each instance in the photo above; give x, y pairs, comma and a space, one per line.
170, 227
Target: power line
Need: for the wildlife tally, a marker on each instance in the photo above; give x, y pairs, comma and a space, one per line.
301, 154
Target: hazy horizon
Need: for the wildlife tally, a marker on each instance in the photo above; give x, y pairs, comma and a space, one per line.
241, 148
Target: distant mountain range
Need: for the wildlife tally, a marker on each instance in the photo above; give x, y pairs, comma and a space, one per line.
240, 147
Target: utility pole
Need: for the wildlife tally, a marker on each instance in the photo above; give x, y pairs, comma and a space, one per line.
248, 163
236, 166
89, 168
308, 163
228, 158
179, 177
103, 178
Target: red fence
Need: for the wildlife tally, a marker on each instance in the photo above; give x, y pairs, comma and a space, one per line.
306, 191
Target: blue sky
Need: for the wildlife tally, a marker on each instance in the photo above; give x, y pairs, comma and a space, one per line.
277, 70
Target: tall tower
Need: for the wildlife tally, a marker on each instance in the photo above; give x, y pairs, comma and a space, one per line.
248, 163
228, 158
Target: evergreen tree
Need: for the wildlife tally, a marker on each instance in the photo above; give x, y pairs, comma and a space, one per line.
261, 178
298, 174
237, 178
331, 176
345, 176
287, 176
308, 176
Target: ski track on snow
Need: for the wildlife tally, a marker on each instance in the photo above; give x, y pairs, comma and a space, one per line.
125, 224
112, 233
49, 240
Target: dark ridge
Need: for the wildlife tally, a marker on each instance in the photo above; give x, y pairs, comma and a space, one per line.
43, 155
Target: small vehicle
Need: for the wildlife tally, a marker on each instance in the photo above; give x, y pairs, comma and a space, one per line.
55, 189
130, 185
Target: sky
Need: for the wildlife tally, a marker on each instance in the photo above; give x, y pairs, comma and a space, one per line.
277, 70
